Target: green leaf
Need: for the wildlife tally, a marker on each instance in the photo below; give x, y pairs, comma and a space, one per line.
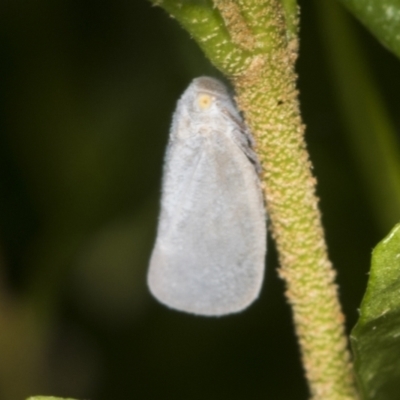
376, 337
381, 17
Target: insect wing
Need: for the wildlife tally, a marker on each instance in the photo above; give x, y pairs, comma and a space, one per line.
210, 249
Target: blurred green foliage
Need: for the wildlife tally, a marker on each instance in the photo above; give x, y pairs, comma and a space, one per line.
381, 17
86, 95
46, 398
371, 133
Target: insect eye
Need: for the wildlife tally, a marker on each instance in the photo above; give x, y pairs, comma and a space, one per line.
204, 101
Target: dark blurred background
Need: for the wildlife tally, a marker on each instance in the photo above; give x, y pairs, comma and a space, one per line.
87, 89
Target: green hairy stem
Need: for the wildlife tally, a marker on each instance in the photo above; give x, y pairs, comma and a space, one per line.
254, 43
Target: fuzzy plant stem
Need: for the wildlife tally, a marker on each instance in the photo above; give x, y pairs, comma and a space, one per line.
254, 43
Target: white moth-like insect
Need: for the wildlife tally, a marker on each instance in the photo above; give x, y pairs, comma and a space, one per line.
209, 254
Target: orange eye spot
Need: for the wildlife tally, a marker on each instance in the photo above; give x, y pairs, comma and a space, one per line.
204, 101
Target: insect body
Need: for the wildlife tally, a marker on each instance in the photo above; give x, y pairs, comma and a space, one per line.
209, 254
